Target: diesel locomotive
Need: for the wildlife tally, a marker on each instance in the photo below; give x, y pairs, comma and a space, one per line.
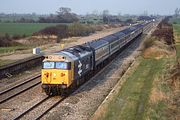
67, 69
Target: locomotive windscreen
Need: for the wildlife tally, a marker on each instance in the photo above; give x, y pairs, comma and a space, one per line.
48, 65
56, 65
61, 65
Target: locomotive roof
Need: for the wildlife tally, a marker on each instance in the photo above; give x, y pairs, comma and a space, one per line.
73, 53
78, 50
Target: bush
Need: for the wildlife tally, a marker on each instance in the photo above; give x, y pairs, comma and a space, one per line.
24, 35
5, 41
149, 42
62, 32
71, 30
98, 28
174, 22
165, 32
15, 37
77, 29
7, 37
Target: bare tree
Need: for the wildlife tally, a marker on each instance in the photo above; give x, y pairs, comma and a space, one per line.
177, 12
105, 12
95, 12
145, 13
65, 15
106, 16
63, 10
119, 15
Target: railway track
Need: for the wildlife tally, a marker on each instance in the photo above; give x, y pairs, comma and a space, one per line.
19, 88
41, 108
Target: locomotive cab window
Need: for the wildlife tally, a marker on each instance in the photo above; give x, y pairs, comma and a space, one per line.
57, 65
48, 65
61, 65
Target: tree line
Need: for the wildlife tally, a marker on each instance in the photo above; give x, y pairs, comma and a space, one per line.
64, 15
65, 31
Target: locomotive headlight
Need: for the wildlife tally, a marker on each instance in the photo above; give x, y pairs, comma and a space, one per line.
54, 74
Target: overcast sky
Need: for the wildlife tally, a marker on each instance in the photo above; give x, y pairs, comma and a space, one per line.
163, 7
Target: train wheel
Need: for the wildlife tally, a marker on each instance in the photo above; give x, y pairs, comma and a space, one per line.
77, 83
65, 92
48, 92
54, 91
51, 91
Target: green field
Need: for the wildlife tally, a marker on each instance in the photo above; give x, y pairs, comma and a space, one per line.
22, 28
176, 28
175, 20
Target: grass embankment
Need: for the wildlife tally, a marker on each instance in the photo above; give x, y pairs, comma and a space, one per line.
5, 62
13, 49
132, 100
9, 50
151, 91
177, 37
165, 96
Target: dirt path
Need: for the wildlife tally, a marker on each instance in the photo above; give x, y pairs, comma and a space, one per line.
57, 47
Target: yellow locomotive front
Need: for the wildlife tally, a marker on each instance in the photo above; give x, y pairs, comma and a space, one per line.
63, 71
57, 74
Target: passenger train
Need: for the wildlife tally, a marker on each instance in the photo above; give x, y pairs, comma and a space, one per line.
65, 70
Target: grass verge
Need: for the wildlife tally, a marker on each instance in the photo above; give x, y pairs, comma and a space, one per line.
176, 29
13, 49
132, 99
5, 62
